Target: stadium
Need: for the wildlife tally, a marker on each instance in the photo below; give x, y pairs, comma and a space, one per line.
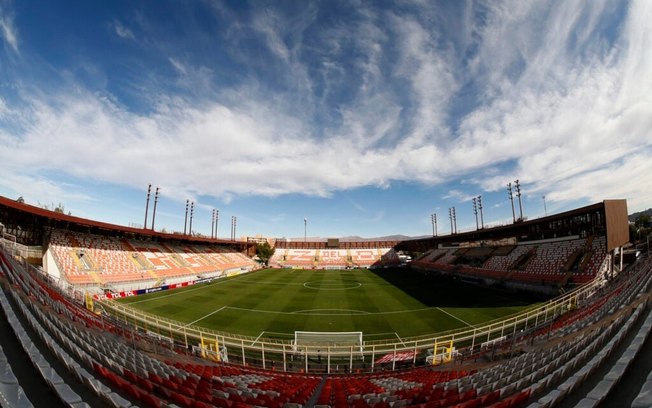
544, 312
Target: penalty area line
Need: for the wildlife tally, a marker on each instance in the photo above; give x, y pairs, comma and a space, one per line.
455, 317
203, 317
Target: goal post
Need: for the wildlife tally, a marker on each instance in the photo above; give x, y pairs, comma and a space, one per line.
336, 342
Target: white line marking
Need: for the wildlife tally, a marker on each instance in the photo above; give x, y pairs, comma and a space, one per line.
256, 341
455, 317
399, 338
196, 286
314, 312
202, 318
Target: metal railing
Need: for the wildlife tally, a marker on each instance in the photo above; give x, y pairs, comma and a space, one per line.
282, 354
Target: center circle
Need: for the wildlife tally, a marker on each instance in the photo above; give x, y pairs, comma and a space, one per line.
331, 285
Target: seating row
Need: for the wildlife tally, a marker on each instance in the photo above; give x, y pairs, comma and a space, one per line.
92, 259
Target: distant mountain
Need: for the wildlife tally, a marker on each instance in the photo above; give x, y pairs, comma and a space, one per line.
633, 217
355, 238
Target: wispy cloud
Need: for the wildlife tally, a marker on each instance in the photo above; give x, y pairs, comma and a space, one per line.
7, 29
122, 31
459, 196
555, 100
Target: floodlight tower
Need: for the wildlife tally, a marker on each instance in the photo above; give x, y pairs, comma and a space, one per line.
432, 220
455, 220
155, 203
305, 229
475, 212
511, 199
435, 218
192, 214
518, 194
480, 208
450, 216
545, 209
149, 191
213, 224
185, 220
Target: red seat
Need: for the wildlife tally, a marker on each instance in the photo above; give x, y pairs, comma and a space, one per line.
182, 400
490, 398
151, 400
474, 403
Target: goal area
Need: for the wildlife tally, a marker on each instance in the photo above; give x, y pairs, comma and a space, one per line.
333, 341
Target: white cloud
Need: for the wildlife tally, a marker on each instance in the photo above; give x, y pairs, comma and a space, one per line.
122, 31
7, 29
551, 116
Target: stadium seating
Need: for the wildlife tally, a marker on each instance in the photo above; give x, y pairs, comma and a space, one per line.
121, 368
86, 259
334, 258
539, 262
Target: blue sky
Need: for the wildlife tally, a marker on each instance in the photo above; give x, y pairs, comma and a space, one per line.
362, 117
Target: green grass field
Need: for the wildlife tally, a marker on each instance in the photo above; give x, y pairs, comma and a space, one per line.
387, 303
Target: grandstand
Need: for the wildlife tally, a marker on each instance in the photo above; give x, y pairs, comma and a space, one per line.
87, 260
334, 254
578, 349
558, 251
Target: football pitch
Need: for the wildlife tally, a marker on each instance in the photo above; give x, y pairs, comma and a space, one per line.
383, 304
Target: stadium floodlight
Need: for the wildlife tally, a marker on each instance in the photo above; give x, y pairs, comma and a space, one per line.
545, 209
518, 194
475, 212
305, 229
455, 219
480, 208
214, 223
432, 220
435, 217
149, 191
192, 214
185, 221
450, 217
511, 199
154, 211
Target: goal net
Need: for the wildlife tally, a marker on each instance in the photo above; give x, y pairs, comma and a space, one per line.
335, 342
